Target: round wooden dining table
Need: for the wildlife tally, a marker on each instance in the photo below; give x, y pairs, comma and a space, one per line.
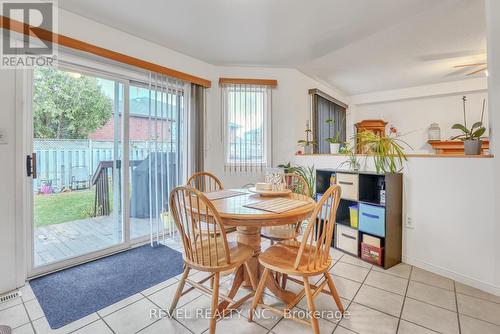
248, 223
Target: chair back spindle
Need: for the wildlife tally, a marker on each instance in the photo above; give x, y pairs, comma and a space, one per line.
200, 228
205, 182
317, 238
296, 184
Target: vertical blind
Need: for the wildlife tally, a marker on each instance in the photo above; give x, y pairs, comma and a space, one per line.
163, 168
246, 127
324, 109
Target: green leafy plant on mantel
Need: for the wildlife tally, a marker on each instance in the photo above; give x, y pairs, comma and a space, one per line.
336, 138
352, 161
307, 143
308, 173
477, 129
387, 152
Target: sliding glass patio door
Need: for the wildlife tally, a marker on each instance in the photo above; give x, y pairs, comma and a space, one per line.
77, 146
107, 150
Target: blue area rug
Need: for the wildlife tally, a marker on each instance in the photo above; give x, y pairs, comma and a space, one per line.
76, 292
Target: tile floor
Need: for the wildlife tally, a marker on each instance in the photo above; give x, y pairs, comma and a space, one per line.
403, 299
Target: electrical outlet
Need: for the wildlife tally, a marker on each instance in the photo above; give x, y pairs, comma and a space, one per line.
3, 136
410, 223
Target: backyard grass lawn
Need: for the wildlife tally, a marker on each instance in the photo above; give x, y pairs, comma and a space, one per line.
63, 207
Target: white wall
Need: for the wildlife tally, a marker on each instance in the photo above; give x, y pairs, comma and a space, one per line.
493, 26
7, 180
290, 108
450, 201
412, 117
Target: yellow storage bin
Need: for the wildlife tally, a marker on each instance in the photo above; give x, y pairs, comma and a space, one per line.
353, 211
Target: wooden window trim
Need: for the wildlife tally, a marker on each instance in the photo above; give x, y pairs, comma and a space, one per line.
241, 81
23, 28
324, 95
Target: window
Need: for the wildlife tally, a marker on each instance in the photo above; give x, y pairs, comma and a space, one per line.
329, 120
247, 127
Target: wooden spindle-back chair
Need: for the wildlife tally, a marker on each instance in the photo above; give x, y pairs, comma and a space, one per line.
205, 182
307, 258
209, 251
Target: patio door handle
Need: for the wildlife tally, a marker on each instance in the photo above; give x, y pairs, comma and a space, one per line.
31, 165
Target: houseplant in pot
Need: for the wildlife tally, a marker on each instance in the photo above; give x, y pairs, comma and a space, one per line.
308, 143
352, 161
387, 152
471, 137
335, 140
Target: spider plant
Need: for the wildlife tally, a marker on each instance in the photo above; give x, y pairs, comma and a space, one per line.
352, 161
387, 152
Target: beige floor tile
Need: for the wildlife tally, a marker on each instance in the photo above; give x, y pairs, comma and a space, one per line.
132, 318
14, 316
336, 254
27, 293
34, 309
479, 308
429, 278
345, 287
470, 325
401, 270
342, 330
165, 325
387, 282
24, 329
262, 316
187, 314
42, 326
326, 304
159, 286
381, 300
163, 298
406, 327
121, 304
430, 316
473, 292
97, 327
350, 271
355, 260
10, 303
239, 324
288, 326
363, 320
432, 295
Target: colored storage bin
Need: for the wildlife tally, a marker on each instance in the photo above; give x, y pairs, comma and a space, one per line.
353, 215
349, 183
324, 212
372, 219
372, 254
347, 239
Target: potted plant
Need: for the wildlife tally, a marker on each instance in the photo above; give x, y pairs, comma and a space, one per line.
352, 161
335, 140
307, 144
471, 137
387, 152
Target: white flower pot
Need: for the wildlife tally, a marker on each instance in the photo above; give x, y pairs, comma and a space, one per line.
334, 148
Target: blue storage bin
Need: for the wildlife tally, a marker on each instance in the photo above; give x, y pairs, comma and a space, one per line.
372, 219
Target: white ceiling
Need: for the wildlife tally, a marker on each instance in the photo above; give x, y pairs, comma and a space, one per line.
357, 46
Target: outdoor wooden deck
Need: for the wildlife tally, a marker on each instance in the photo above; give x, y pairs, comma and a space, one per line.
61, 241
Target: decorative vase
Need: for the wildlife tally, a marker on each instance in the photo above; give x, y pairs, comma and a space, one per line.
473, 146
308, 149
334, 148
434, 132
